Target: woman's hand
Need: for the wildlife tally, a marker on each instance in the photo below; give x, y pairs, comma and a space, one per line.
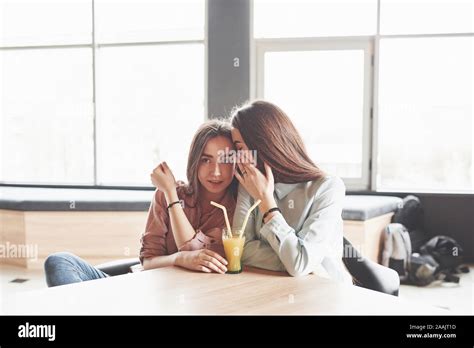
258, 186
203, 260
163, 179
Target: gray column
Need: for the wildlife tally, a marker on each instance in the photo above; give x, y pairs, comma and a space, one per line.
228, 55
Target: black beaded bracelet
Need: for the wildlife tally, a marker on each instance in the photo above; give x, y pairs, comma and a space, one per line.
270, 211
173, 203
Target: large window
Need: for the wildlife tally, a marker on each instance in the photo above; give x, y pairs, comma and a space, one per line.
314, 18
314, 59
97, 92
419, 136
426, 115
425, 96
426, 16
161, 94
311, 92
47, 117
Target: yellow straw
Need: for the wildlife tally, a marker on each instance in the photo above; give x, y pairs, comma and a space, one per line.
247, 217
225, 216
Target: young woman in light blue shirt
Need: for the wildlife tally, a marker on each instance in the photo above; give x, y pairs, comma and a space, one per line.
298, 225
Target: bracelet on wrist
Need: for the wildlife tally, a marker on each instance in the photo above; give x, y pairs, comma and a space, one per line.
173, 203
270, 211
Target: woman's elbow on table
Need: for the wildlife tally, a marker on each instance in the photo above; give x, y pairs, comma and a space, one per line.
298, 271
297, 265
147, 264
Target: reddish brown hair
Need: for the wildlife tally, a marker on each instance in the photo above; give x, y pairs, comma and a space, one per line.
267, 129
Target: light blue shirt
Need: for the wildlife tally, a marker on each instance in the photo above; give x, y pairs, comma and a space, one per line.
307, 237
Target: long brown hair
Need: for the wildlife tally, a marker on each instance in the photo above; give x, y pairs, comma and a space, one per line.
268, 130
207, 131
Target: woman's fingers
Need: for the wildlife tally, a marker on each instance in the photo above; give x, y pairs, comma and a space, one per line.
249, 167
158, 170
212, 261
239, 177
216, 256
241, 167
161, 168
204, 269
212, 266
165, 166
269, 172
218, 266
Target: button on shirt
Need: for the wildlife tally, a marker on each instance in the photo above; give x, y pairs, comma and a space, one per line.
306, 237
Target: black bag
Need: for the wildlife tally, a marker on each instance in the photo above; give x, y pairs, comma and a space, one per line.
418, 238
423, 270
440, 259
446, 251
411, 215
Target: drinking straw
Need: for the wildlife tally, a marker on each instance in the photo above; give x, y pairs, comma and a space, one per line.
247, 217
225, 216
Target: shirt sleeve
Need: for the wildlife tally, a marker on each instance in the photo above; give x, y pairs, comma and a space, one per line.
153, 240
258, 253
212, 241
301, 251
199, 241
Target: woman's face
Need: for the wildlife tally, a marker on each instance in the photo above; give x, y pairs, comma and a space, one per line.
244, 154
214, 173
238, 140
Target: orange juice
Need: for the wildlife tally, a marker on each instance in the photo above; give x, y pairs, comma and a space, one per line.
233, 248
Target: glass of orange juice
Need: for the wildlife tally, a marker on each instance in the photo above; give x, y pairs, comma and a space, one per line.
233, 248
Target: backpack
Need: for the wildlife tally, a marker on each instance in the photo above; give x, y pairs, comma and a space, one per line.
439, 259
396, 251
411, 215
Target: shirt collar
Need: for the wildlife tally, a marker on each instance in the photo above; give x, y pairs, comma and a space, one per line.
282, 189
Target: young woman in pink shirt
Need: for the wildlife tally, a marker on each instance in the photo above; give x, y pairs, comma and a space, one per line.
182, 228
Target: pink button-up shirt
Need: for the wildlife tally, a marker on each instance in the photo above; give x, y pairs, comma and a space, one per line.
158, 239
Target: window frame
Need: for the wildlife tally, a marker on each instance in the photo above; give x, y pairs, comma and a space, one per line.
376, 117
95, 46
252, 86
363, 43
256, 80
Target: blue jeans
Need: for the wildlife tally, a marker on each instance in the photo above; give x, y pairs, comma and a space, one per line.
65, 268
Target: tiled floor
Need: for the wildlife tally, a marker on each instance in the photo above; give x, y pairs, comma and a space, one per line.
458, 299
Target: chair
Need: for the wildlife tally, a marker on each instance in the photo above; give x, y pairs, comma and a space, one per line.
369, 274
118, 267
